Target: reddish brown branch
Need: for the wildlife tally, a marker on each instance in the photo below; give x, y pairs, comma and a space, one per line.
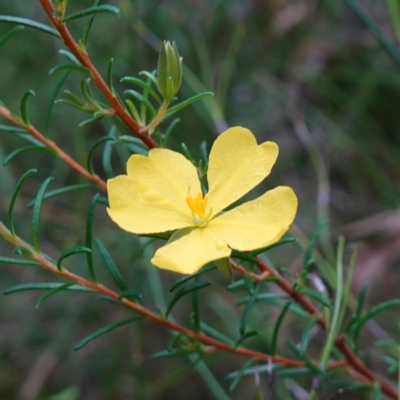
51, 145
96, 77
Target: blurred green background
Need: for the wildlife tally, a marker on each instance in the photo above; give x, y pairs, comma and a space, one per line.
311, 75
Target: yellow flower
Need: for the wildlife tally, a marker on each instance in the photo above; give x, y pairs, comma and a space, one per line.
162, 192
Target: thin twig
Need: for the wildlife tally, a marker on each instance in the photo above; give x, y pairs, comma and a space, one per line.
51, 145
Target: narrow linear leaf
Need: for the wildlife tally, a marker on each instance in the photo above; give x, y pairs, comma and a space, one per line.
306, 335
186, 278
14, 196
52, 292
246, 336
210, 331
93, 10
29, 23
36, 214
110, 75
69, 56
247, 312
184, 291
56, 91
249, 283
11, 129
316, 295
71, 252
171, 111
88, 27
21, 250
309, 363
244, 256
96, 144
63, 190
74, 105
23, 106
104, 330
131, 294
70, 67
110, 264
142, 100
240, 373
272, 246
278, 326
9, 260
144, 85
9, 34
44, 286
23, 150
107, 153
89, 236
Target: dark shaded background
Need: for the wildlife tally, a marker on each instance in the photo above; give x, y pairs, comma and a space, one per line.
306, 74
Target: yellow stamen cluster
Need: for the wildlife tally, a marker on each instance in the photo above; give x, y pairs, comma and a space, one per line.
198, 205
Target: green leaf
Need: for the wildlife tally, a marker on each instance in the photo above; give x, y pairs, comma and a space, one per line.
240, 373
277, 327
71, 252
148, 88
63, 190
184, 291
36, 214
93, 10
224, 266
271, 246
21, 250
89, 236
306, 335
53, 100
131, 294
150, 76
210, 331
246, 336
104, 330
244, 256
23, 150
308, 259
9, 34
316, 295
247, 312
142, 100
249, 284
110, 264
70, 67
186, 278
23, 106
110, 75
171, 111
30, 24
52, 292
8, 260
69, 56
309, 363
44, 286
107, 152
14, 198
376, 391
96, 144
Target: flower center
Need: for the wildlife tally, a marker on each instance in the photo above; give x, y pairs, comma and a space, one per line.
198, 207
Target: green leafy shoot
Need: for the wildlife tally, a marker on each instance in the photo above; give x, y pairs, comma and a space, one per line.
53, 291
104, 330
93, 10
184, 291
30, 24
36, 214
71, 252
4, 39
14, 196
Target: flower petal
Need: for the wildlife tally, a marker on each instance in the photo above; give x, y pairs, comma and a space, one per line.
133, 213
189, 253
236, 166
257, 223
166, 172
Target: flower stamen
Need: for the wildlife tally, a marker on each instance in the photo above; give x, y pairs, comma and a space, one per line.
198, 206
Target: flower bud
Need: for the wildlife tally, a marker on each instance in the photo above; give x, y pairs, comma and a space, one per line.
169, 71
